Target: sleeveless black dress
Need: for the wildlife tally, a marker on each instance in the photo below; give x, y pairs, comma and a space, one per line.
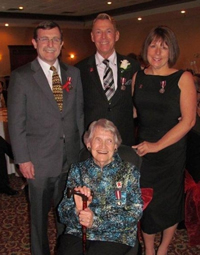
157, 100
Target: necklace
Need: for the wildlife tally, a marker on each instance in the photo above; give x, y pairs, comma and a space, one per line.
162, 84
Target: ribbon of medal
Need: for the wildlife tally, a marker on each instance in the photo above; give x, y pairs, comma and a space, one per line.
162, 84
118, 192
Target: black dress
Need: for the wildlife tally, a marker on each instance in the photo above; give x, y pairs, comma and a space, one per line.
157, 100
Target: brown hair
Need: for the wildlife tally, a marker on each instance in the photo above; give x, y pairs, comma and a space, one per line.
46, 25
167, 36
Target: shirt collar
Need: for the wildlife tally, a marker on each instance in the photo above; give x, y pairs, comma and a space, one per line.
112, 59
46, 66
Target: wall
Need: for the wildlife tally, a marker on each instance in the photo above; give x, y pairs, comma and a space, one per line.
77, 41
132, 34
187, 31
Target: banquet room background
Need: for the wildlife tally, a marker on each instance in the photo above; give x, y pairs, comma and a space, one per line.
132, 34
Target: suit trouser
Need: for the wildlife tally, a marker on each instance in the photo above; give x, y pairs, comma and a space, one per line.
43, 193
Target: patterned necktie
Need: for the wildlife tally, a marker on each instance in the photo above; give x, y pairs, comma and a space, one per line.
108, 80
57, 88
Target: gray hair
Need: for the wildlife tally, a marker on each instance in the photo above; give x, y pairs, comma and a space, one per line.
106, 125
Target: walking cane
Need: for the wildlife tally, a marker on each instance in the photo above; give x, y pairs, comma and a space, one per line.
71, 192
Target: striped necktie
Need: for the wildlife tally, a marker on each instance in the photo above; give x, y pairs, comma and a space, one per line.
57, 88
108, 80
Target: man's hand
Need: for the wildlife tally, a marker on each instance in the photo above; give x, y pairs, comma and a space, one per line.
27, 169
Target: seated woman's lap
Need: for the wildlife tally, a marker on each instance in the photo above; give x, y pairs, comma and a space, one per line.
72, 245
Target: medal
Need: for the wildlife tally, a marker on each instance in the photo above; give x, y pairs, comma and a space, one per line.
123, 81
162, 84
118, 193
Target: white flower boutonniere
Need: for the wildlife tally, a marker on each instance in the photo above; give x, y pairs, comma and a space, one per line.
125, 66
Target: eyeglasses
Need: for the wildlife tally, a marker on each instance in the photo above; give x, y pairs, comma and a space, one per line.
46, 40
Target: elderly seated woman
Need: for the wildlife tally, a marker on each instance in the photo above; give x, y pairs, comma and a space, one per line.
115, 208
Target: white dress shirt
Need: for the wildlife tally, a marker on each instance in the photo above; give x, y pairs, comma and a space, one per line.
48, 73
101, 67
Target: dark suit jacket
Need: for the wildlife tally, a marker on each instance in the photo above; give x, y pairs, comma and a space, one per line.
36, 125
120, 109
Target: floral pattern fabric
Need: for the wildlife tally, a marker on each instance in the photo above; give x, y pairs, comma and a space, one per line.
114, 220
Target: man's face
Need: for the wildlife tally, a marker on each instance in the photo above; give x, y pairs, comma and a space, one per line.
48, 44
104, 35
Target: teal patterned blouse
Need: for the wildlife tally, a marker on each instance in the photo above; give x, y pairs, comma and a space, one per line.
115, 220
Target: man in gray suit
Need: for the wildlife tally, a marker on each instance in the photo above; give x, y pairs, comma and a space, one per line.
44, 138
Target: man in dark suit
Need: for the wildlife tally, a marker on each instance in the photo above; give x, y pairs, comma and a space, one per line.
118, 109
45, 138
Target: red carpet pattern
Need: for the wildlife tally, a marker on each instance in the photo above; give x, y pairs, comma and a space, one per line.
15, 231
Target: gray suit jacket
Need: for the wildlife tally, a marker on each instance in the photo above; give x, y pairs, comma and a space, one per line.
36, 125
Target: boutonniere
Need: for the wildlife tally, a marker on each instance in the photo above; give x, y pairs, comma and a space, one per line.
125, 66
67, 86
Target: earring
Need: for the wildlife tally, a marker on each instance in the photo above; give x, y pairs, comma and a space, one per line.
89, 149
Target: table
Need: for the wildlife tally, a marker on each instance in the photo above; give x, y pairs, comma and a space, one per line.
4, 133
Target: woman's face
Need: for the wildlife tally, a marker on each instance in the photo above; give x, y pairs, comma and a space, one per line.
102, 146
158, 54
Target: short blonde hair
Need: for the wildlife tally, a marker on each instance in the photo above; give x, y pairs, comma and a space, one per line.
104, 16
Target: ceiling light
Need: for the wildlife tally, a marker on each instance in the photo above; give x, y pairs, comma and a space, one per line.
139, 18
21, 7
6, 25
71, 55
109, 2
183, 11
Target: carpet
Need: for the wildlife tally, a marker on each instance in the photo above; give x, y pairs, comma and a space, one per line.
15, 229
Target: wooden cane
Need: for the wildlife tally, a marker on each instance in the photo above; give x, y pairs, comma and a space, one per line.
84, 199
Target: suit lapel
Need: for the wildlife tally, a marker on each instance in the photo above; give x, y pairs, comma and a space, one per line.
64, 76
42, 82
118, 92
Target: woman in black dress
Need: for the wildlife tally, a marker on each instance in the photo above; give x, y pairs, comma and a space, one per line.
165, 102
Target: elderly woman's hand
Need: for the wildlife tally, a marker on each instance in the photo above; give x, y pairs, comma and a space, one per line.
145, 147
78, 199
86, 217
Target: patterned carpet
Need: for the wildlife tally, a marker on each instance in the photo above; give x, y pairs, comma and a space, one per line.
14, 227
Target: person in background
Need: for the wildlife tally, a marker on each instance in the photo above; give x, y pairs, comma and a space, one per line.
107, 89
165, 102
113, 212
3, 96
192, 180
45, 133
5, 149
